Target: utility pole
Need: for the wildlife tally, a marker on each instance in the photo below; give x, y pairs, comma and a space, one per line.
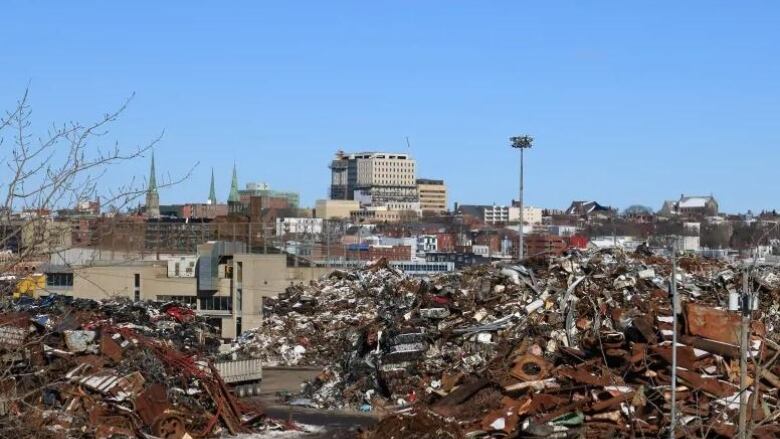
746, 307
522, 143
675, 312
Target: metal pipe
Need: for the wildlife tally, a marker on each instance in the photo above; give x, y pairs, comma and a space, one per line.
521, 250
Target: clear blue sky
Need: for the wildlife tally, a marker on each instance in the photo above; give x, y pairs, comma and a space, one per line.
630, 102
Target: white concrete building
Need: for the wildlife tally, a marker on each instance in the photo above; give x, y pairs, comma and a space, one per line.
298, 226
500, 214
562, 230
497, 214
427, 243
368, 198
182, 266
386, 169
532, 215
381, 178
481, 250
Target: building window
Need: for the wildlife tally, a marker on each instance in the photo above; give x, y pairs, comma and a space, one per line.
216, 303
137, 285
186, 300
59, 280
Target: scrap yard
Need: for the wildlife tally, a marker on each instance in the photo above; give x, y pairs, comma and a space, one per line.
574, 346
402, 220
577, 346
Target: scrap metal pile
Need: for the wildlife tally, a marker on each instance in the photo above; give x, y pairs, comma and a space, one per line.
85, 369
575, 346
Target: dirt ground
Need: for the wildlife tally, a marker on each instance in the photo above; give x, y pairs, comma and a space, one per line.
285, 379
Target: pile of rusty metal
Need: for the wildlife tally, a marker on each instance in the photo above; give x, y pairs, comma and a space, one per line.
315, 324
83, 369
616, 383
576, 345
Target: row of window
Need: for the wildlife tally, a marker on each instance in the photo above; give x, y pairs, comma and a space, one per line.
216, 303
422, 267
187, 300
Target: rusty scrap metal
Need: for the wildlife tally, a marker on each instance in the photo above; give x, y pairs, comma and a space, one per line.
86, 379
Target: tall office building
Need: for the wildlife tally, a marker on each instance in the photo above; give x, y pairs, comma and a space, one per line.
375, 179
433, 195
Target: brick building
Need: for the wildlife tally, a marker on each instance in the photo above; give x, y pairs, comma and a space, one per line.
545, 245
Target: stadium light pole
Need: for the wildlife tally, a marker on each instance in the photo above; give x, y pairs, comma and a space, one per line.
522, 143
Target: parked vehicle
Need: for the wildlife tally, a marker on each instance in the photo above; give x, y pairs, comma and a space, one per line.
244, 376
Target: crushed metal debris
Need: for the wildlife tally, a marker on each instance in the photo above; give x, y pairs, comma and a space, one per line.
576, 346
77, 368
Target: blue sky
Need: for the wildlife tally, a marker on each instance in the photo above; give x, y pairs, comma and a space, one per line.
629, 102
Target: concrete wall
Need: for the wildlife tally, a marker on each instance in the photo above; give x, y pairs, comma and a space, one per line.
335, 209
267, 276
79, 256
433, 197
101, 282
532, 215
261, 276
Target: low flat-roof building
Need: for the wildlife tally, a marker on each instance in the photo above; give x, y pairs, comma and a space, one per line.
335, 209
228, 289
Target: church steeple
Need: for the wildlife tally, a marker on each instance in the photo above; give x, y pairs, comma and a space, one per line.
212, 192
234, 197
152, 178
152, 197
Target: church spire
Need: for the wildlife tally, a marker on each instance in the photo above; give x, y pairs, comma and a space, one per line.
234, 197
152, 197
212, 191
152, 178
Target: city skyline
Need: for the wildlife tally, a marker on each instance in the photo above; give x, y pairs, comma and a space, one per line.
628, 105
240, 185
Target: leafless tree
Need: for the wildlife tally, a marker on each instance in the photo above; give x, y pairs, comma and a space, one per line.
54, 170
43, 173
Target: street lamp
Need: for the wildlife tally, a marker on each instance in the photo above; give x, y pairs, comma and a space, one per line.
522, 143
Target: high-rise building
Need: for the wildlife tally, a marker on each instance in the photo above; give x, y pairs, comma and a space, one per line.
152, 196
375, 179
433, 195
341, 186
